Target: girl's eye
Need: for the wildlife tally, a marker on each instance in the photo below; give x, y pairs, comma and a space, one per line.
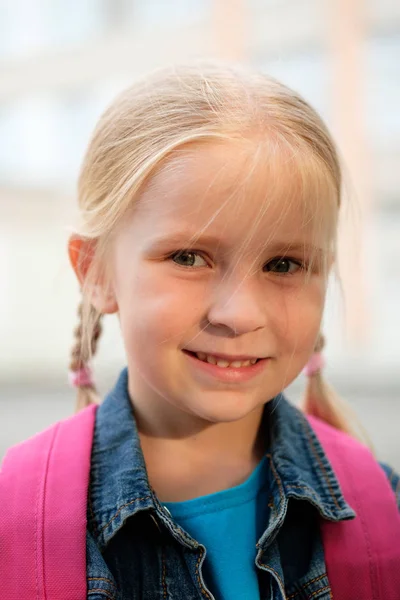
282, 266
188, 259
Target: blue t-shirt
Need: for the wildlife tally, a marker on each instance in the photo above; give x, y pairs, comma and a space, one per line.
229, 524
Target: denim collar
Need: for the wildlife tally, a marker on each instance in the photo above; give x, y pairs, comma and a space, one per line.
119, 487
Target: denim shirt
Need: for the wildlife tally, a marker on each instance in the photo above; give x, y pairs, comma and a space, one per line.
136, 551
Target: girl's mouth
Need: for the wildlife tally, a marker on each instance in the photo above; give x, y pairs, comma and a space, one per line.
222, 362
240, 369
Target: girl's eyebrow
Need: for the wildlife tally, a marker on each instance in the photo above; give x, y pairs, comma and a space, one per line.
190, 240
295, 247
185, 239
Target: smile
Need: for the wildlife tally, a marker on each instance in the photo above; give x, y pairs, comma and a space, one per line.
224, 364
235, 370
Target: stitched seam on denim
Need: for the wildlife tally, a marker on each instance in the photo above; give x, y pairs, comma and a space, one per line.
180, 532
105, 592
171, 525
304, 585
312, 495
163, 575
321, 466
203, 591
278, 481
103, 579
276, 574
271, 505
300, 487
119, 510
281, 492
324, 589
315, 579
276, 477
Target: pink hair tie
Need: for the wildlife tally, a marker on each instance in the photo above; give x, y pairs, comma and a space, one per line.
314, 365
81, 377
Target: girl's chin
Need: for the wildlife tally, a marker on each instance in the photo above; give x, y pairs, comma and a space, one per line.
223, 411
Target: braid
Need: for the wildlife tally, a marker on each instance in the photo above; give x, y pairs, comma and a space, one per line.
320, 343
83, 350
323, 402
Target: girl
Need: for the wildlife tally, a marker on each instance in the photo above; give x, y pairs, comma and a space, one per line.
209, 198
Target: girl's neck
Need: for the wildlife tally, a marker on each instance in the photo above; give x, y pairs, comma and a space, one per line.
187, 457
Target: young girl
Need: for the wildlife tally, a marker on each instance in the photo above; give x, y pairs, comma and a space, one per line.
209, 198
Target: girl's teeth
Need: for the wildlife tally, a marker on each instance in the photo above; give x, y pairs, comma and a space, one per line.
236, 363
224, 363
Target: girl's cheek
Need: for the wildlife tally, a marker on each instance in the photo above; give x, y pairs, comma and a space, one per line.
168, 306
298, 315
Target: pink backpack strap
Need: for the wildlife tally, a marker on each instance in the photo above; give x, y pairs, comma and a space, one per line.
43, 499
362, 555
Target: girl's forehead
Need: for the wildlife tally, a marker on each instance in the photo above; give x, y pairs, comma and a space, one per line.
237, 190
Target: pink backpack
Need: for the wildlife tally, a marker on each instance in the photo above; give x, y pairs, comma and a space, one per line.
43, 494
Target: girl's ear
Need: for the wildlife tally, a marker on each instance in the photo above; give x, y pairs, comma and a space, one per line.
81, 252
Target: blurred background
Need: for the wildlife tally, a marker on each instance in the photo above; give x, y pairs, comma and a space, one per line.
61, 63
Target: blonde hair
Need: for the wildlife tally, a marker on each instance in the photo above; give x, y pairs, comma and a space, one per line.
162, 113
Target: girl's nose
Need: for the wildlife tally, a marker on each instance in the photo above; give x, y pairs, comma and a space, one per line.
238, 308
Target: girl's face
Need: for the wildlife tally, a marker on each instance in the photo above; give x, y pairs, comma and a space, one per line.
210, 266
